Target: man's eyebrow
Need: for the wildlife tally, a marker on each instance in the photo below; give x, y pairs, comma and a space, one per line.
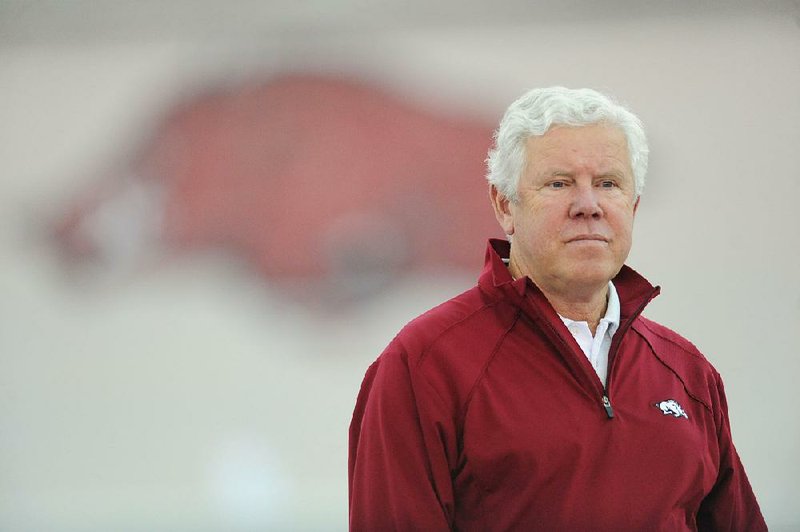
559, 173
612, 173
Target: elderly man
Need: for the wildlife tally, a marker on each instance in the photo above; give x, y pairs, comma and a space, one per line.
542, 399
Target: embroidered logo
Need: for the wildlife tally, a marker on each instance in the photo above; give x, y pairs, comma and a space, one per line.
670, 407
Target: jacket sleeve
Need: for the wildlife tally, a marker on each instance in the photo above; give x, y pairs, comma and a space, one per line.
731, 504
399, 473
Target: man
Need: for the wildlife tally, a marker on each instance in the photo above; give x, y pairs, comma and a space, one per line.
541, 399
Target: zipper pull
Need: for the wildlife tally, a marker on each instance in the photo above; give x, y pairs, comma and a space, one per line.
607, 406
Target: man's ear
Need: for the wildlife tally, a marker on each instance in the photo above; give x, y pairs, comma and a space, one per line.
502, 210
636, 205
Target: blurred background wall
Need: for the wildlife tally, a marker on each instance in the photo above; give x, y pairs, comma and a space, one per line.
186, 390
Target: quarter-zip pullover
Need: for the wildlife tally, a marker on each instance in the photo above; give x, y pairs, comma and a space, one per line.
484, 414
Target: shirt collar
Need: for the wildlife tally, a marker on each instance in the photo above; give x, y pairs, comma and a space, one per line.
612, 309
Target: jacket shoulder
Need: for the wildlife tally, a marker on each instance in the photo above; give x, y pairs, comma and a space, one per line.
468, 318
683, 358
658, 333
449, 346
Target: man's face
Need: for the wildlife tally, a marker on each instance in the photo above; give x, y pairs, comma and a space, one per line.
573, 219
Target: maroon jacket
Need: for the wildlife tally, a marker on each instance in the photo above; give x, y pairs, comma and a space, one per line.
484, 414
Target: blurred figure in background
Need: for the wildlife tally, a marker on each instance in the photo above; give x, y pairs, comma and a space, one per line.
542, 399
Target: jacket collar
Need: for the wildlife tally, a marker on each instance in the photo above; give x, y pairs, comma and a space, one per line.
634, 291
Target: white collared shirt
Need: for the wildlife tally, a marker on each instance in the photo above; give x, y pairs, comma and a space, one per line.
596, 348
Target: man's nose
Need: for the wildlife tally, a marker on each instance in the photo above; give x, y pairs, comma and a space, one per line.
585, 203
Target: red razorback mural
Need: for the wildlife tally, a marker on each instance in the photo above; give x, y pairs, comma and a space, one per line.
311, 179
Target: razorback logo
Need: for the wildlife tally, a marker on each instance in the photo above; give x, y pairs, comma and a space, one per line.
308, 178
670, 407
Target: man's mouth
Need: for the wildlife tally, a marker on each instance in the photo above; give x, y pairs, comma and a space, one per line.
588, 238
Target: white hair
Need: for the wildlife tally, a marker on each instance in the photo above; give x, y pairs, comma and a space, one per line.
538, 110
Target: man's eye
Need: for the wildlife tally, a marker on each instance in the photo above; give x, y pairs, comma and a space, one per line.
557, 184
608, 184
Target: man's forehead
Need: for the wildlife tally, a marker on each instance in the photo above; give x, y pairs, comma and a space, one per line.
600, 138
563, 144
600, 133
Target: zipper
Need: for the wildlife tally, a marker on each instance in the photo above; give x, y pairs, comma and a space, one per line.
607, 406
612, 355
557, 338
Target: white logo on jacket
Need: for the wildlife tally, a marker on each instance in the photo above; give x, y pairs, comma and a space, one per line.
670, 407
